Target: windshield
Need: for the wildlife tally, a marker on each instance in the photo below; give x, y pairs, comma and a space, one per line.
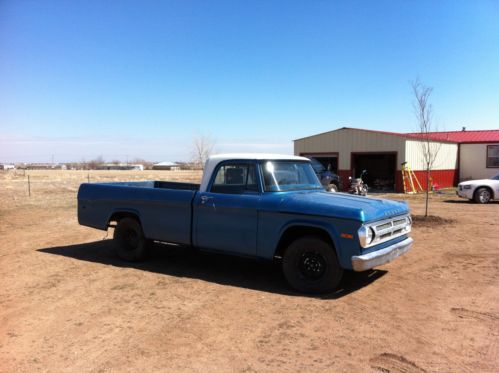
280, 176
495, 177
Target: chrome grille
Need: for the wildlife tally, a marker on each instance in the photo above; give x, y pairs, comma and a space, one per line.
388, 229
399, 222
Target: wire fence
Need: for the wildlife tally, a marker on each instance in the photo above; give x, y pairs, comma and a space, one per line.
31, 183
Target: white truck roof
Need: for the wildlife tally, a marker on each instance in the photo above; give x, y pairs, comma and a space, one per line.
214, 160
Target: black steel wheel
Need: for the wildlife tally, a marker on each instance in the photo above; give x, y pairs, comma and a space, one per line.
482, 195
310, 265
129, 241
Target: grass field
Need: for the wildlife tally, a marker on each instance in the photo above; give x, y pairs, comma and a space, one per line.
68, 304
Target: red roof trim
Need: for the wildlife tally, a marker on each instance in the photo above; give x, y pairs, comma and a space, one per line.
470, 137
456, 137
416, 136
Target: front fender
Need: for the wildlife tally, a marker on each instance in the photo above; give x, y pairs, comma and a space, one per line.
272, 226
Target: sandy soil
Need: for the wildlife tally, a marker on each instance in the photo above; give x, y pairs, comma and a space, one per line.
68, 304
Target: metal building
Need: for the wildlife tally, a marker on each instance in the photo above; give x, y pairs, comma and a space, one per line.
166, 165
478, 152
348, 151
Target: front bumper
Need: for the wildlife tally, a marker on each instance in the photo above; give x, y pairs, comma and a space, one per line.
465, 193
376, 258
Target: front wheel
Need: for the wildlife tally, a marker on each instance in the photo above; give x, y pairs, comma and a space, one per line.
129, 241
310, 266
332, 188
482, 195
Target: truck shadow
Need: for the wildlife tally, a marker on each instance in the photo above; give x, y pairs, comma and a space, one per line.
221, 269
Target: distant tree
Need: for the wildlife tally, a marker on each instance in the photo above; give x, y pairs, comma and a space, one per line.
115, 161
203, 145
424, 112
94, 163
73, 166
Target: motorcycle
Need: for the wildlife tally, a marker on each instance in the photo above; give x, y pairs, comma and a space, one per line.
357, 186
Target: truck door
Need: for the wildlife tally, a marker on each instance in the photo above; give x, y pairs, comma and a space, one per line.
225, 217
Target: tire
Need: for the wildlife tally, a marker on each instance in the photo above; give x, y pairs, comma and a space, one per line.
332, 188
129, 241
310, 266
482, 195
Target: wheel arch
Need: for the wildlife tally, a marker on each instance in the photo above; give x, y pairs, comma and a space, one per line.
492, 194
295, 231
119, 214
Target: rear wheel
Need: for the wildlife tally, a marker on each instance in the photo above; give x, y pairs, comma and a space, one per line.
129, 241
310, 265
482, 195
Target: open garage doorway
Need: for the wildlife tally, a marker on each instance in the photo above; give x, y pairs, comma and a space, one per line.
381, 168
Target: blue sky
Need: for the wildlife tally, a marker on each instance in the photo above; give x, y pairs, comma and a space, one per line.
80, 79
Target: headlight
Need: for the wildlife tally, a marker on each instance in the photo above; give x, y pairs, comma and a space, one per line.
366, 235
409, 225
466, 186
370, 235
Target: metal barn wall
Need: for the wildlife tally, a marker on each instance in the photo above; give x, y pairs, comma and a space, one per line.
446, 155
444, 170
473, 162
347, 140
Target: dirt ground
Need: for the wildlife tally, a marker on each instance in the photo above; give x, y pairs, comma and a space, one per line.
68, 304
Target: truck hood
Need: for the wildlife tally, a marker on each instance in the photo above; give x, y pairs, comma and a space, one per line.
341, 205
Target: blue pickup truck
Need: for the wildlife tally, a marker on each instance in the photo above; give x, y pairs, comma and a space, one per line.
254, 205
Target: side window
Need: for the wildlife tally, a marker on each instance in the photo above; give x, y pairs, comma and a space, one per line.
492, 156
235, 179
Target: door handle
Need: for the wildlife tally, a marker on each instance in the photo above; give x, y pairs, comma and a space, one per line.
205, 199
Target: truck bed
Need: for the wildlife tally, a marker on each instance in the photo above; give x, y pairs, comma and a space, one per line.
164, 208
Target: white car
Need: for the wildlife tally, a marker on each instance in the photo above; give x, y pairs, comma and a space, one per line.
481, 191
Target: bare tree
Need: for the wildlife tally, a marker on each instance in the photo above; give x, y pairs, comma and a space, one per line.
203, 146
429, 148
94, 163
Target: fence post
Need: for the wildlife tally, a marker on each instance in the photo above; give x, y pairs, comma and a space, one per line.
29, 187
88, 177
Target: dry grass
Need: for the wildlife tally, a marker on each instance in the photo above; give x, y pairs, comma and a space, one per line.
58, 188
